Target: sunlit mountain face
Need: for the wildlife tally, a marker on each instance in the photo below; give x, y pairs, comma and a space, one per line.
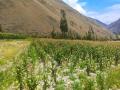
38, 17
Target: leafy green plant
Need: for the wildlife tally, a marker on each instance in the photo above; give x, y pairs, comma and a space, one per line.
32, 82
89, 85
117, 57
77, 85
20, 77
60, 85
48, 62
101, 81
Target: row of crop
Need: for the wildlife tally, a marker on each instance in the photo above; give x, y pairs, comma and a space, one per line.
59, 64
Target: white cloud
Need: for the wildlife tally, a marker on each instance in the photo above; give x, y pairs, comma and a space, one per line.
109, 15
76, 5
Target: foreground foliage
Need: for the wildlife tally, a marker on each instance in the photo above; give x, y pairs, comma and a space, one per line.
8, 51
61, 65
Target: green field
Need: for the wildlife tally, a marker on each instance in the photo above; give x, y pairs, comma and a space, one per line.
9, 50
48, 64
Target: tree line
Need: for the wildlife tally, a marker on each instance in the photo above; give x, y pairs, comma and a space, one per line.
66, 33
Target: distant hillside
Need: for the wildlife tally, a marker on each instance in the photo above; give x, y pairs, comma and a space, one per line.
99, 22
115, 27
38, 17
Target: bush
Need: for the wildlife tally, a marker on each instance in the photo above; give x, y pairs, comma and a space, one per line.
63, 23
0, 28
11, 36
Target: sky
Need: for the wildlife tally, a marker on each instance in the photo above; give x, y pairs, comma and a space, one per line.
106, 11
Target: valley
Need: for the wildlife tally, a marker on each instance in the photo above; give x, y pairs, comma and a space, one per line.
59, 45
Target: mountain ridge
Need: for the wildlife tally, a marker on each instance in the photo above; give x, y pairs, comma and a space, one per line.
39, 16
99, 22
115, 27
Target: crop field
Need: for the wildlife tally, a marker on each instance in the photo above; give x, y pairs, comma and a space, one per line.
9, 50
48, 64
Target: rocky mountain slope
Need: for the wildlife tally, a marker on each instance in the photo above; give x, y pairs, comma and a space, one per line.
38, 17
99, 22
115, 27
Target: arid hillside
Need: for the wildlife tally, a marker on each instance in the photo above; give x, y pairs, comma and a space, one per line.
38, 17
115, 27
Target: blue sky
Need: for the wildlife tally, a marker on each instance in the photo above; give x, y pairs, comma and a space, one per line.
106, 11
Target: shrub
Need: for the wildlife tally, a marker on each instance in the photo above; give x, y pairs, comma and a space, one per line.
19, 77
0, 28
11, 36
63, 23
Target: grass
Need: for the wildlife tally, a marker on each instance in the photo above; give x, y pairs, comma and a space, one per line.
113, 79
9, 49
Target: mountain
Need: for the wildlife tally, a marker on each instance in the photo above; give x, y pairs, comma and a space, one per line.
38, 17
115, 27
99, 22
